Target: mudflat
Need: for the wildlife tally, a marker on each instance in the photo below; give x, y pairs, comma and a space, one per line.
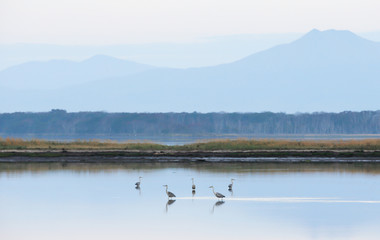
98, 156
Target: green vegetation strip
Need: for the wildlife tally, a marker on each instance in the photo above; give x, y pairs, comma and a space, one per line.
211, 145
240, 148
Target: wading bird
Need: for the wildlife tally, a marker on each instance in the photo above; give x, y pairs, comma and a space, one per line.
218, 195
138, 183
193, 186
231, 184
170, 194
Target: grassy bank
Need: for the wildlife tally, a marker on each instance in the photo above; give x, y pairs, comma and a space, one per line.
37, 144
211, 145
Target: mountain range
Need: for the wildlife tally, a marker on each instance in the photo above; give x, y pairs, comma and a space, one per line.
322, 71
62, 73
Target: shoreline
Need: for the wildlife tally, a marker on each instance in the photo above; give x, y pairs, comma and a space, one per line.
143, 156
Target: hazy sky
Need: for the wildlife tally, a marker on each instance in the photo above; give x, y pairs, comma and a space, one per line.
142, 21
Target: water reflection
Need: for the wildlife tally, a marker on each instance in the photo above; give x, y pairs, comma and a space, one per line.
169, 202
231, 192
217, 204
242, 168
300, 201
139, 189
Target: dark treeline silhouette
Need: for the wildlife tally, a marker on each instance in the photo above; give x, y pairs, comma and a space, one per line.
61, 122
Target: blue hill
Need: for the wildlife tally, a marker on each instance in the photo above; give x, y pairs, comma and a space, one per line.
322, 71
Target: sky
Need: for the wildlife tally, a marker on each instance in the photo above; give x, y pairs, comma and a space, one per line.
148, 21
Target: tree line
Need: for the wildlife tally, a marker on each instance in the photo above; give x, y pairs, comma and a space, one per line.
62, 122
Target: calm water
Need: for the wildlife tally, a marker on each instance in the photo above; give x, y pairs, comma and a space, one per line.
269, 201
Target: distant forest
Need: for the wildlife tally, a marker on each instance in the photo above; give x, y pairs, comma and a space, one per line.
62, 122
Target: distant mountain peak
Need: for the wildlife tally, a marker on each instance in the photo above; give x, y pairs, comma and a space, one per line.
314, 31
330, 32
101, 57
331, 35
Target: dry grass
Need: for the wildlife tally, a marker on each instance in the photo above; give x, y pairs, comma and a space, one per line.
280, 144
11, 143
238, 144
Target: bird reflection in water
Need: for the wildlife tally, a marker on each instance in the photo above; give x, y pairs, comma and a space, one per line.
193, 193
231, 191
170, 202
138, 188
217, 204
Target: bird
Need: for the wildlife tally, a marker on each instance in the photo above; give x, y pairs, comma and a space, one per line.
138, 183
231, 184
193, 186
170, 194
218, 195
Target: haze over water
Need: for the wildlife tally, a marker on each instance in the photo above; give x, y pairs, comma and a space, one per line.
269, 201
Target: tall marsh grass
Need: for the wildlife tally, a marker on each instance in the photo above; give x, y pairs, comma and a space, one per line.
218, 144
11, 143
280, 144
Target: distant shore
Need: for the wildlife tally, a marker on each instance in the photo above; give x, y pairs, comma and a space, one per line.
240, 150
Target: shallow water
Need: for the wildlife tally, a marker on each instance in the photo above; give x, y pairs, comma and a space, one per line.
269, 201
